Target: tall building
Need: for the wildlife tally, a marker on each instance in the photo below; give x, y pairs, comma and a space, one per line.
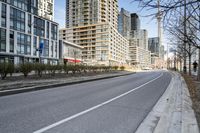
135, 22
141, 36
138, 49
86, 12
124, 23
154, 47
46, 9
93, 25
22, 32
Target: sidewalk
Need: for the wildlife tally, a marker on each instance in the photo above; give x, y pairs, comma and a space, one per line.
24, 85
173, 113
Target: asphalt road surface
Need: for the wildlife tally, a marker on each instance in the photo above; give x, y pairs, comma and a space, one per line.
116, 105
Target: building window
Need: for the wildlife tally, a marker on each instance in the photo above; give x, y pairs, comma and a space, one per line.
23, 44
56, 49
3, 15
39, 26
17, 19
35, 45
12, 41
47, 34
54, 30
29, 23
46, 48
52, 48
2, 40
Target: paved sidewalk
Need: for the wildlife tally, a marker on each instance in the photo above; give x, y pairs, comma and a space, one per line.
173, 113
19, 86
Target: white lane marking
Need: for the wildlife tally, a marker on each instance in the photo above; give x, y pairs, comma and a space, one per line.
93, 108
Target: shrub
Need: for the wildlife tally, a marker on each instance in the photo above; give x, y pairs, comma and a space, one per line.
26, 68
39, 68
59, 68
50, 69
6, 68
75, 68
115, 67
83, 68
11, 68
66, 69
122, 68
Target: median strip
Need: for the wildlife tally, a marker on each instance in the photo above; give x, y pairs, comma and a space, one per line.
51, 86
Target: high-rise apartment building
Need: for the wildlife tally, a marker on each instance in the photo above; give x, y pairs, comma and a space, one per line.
135, 22
46, 9
22, 32
93, 25
124, 23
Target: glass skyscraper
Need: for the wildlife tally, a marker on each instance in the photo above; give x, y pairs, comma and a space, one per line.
124, 23
135, 22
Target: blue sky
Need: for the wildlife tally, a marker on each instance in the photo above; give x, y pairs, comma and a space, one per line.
146, 23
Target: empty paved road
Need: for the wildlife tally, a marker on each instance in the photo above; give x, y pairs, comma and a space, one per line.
116, 105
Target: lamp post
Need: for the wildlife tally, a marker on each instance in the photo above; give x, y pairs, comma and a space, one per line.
75, 53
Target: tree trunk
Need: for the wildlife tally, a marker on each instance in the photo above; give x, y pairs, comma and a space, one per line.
180, 65
198, 74
190, 65
189, 59
185, 33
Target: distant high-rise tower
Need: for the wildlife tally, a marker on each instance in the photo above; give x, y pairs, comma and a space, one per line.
46, 9
124, 23
135, 22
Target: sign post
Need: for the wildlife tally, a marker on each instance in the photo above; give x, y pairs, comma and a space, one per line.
40, 50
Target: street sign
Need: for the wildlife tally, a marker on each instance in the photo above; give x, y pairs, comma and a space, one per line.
41, 47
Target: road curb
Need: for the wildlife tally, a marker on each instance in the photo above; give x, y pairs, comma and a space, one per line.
173, 112
36, 88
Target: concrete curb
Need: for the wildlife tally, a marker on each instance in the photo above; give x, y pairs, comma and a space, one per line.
173, 112
51, 86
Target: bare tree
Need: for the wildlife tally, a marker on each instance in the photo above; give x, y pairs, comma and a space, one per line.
181, 18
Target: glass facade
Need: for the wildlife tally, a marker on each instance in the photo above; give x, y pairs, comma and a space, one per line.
26, 32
